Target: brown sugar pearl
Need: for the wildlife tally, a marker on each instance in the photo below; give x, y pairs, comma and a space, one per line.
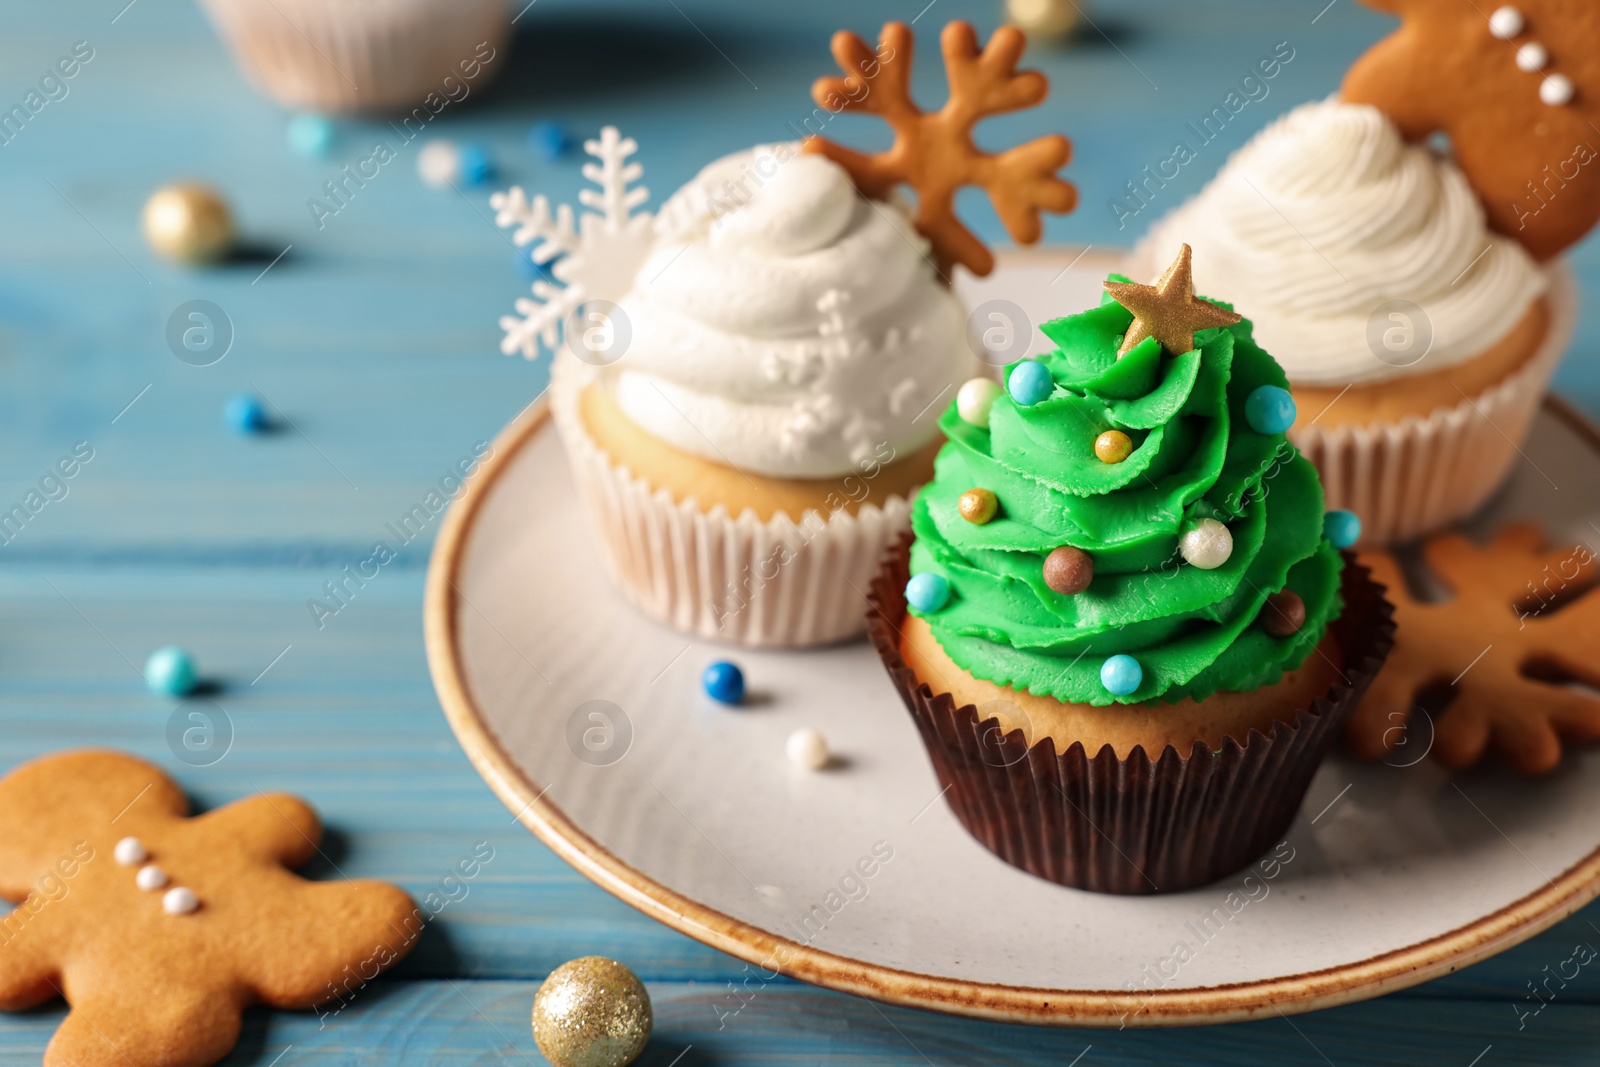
1283, 614
1113, 446
1068, 570
978, 506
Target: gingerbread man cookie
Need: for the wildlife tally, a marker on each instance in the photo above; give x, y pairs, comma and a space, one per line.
1517, 89
160, 929
1522, 623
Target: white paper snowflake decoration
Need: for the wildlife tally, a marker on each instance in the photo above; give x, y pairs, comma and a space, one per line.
596, 259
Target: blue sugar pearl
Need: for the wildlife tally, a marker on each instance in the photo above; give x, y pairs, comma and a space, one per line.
246, 413
724, 683
1030, 382
1343, 528
927, 592
549, 140
1121, 675
1269, 409
311, 136
475, 165
170, 672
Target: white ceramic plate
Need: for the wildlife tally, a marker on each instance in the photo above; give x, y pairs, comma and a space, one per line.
690, 812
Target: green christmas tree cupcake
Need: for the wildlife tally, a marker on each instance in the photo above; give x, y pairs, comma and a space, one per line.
1124, 598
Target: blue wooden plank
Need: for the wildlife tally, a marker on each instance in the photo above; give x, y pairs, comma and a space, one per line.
784, 1023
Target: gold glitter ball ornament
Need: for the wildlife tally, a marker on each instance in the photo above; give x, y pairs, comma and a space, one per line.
1044, 19
591, 1012
188, 222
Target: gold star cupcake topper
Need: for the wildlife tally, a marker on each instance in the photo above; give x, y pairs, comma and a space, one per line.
1167, 310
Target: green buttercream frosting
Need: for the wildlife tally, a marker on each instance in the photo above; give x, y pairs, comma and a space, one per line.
1195, 456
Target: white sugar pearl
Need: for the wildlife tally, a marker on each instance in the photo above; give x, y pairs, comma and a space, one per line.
975, 400
1506, 22
1556, 90
129, 851
809, 749
150, 878
179, 901
1532, 56
439, 164
1207, 546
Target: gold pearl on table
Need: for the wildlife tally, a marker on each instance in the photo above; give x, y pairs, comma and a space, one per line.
188, 222
1044, 18
591, 1012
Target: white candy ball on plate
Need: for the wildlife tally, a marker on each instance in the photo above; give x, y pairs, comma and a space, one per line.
808, 748
439, 164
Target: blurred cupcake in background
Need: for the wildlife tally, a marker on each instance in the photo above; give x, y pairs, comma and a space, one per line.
1418, 344
748, 384
363, 55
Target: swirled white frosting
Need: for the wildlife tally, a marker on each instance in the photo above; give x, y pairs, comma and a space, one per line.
787, 326
1326, 216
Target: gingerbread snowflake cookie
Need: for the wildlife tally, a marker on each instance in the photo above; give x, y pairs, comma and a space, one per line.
1516, 88
1522, 624
933, 152
160, 929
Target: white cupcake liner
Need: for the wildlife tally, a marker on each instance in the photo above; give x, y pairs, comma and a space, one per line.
1406, 479
732, 579
361, 55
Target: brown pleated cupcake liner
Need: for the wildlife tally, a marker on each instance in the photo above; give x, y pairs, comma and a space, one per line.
1133, 825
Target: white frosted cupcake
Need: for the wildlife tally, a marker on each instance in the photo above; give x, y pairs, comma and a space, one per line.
748, 385
752, 452
365, 55
1418, 344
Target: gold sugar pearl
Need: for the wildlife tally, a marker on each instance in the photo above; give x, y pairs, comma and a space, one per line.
978, 506
1113, 446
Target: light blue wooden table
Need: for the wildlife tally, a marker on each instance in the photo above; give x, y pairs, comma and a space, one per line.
375, 334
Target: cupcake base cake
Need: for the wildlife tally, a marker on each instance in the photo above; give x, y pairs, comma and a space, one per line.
881, 478
1126, 821
720, 555
1124, 728
1407, 474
